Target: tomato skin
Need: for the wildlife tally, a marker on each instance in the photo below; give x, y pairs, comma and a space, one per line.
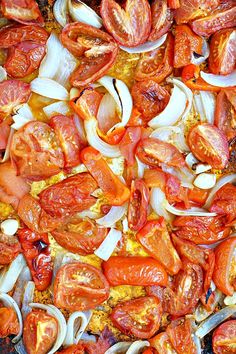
224, 338
125, 316
40, 332
129, 143
143, 271
154, 237
138, 205
37, 253
161, 342
197, 195
224, 202
87, 104
192, 9
180, 334
23, 11
223, 275
162, 19
152, 151
79, 287
4, 135
131, 25
173, 4
13, 35
209, 145
225, 114
9, 249
9, 323
191, 78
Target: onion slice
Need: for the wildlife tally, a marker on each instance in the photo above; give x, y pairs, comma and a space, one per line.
157, 201
196, 59
187, 212
219, 80
67, 65
137, 346
146, 47
114, 215
60, 107
219, 184
8, 301
76, 326
3, 74
49, 88
141, 167
60, 10
28, 297
187, 92
107, 247
9, 275
120, 347
50, 63
22, 281
80, 12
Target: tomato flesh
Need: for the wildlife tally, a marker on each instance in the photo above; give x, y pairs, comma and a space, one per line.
9, 323
13, 35
225, 113
224, 338
23, 11
162, 19
180, 334
9, 249
138, 204
224, 202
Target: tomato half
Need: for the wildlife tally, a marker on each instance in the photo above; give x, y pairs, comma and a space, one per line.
225, 113
209, 145
130, 25
79, 287
190, 9
201, 229
138, 205
149, 98
224, 338
161, 342
162, 19
224, 202
96, 49
9, 249
129, 143
143, 271
23, 11
156, 64
191, 78
138, 317
87, 104
13, 35
37, 253
154, 237
181, 337
224, 275
152, 152
40, 332
9, 323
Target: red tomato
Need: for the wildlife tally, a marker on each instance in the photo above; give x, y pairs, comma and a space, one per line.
9, 323
138, 317
161, 342
80, 236
116, 192
130, 25
149, 98
162, 19
181, 337
222, 58
201, 229
197, 195
191, 78
23, 11
36, 152
209, 145
12, 93
173, 4
4, 134
224, 338
79, 287
40, 332
224, 202
154, 237
87, 104
231, 95
128, 144
152, 152
12, 187
190, 9
155, 177
13, 35
142, 271
36, 251
224, 275
156, 64
138, 205
96, 49
9, 249
24, 58
225, 114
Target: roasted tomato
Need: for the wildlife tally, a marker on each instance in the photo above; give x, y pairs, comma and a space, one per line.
13, 35
138, 317
96, 49
87, 104
80, 236
161, 342
209, 145
222, 58
154, 237
191, 78
198, 196
40, 332
201, 229
9, 323
149, 98
225, 113
79, 287
143, 271
131, 25
224, 275
162, 19
129, 143
173, 4
36, 152
181, 337
23, 11
224, 202
5, 130
156, 64
152, 152
9, 249
224, 338
138, 205
36, 251
12, 93
115, 191
191, 9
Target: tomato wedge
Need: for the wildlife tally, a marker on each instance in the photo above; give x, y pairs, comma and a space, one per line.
154, 237
37, 253
131, 25
138, 317
191, 9
79, 287
224, 202
191, 78
180, 333
162, 19
13, 35
143, 271
9, 323
224, 338
9, 249
23, 11
87, 104
161, 342
225, 113
129, 143
138, 205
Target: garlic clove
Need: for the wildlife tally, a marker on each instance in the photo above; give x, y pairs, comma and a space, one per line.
205, 180
9, 227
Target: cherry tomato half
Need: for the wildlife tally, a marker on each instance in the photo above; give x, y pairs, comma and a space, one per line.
138, 205
224, 338
162, 19
9, 323
190, 9
224, 202
23, 11
180, 334
13, 35
9, 249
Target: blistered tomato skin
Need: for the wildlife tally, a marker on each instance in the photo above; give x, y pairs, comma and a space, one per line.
224, 338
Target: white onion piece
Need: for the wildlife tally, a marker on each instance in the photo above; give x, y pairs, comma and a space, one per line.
125, 225
107, 110
49, 88
187, 212
171, 134
91, 126
88, 214
219, 184
141, 167
137, 346
146, 47
201, 313
197, 60
60, 10
88, 337
24, 110
60, 107
230, 300
6, 154
197, 344
172, 112
67, 65
157, 201
56, 313
205, 180
120, 347
200, 168
219, 80
198, 107
23, 279
50, 63
79, 123
184, 174
3, 74
191, 160
76, 326
187, 92
20, 348
82, 13
9, 275
8, 301
114, 215
28, 297
209, 103
70, 257
19, 121
9, 226
195, 165
214, 320
181, 142
108, 245
74, 93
